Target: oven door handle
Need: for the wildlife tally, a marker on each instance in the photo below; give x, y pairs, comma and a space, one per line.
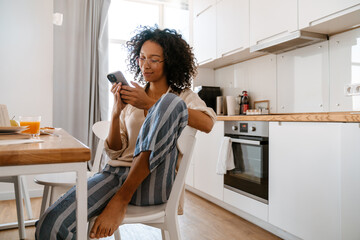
245, 141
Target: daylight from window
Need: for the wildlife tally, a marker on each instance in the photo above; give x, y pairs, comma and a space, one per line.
125, 16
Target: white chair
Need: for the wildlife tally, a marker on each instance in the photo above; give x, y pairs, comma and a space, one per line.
57, 184
20, 187
164, 216
21, 192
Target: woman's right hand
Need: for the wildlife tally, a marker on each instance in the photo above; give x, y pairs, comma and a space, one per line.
119, 105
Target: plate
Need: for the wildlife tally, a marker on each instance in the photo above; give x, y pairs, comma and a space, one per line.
47, 129
43, 132
12, 129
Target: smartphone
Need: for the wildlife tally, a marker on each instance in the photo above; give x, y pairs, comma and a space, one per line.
117, 77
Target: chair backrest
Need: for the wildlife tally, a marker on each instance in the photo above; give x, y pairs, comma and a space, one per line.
185, 144
101, 130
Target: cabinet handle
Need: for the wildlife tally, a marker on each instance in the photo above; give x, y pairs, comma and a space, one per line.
205, 61
245, 141
232, 51
333, 15
202, 11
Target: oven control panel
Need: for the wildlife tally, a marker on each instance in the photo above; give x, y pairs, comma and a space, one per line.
244, 127
252, 128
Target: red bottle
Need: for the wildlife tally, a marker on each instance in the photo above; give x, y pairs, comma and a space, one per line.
244, 102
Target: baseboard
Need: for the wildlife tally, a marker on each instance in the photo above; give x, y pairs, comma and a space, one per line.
10, 195
259, 222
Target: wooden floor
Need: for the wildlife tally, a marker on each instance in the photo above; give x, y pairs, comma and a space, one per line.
202, 220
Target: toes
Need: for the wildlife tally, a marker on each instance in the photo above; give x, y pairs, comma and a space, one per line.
94, 230
103, 232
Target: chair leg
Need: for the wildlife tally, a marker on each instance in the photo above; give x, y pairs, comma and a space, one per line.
173, 228
163, 234
52, 197
117, 234
56, 193
90, 225
26, 197
45, 199
19, 207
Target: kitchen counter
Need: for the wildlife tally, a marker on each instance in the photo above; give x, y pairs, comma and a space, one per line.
297, 117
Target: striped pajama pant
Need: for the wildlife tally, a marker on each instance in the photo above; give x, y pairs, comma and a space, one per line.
158, 134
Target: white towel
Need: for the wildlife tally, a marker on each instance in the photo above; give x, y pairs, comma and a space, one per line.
226, 157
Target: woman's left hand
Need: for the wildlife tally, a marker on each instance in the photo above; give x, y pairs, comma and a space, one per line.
136, 96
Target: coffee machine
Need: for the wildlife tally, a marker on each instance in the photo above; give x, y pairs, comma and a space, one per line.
208, 94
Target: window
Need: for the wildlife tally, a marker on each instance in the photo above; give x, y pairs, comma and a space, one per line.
126, 15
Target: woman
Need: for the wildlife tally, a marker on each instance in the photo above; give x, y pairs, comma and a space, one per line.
141, 145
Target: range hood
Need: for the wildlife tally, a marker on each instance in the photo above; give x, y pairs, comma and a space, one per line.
289, 42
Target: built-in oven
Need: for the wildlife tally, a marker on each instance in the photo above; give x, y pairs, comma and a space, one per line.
249, 143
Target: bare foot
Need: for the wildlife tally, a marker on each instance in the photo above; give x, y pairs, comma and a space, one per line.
114, 213
110, 219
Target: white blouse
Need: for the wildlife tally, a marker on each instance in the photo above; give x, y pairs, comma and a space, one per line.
131, 120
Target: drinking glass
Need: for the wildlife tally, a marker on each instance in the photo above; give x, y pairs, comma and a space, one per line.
33, 124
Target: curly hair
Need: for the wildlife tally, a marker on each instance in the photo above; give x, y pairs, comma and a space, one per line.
179, 64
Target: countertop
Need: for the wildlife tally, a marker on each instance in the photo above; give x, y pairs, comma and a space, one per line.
297, 117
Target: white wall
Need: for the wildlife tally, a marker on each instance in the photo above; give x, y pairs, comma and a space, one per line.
26, 57
205, 77
256, 76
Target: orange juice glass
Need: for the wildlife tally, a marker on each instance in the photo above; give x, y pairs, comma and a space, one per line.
33, 124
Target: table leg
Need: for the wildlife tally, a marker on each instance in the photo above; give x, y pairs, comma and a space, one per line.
19, 207
81, 197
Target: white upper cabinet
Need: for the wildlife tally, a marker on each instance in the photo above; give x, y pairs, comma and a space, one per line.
328, 16
221, 32
201, 6
344, 58
205, 35
232, 24
272, 19
303, 79
230, 31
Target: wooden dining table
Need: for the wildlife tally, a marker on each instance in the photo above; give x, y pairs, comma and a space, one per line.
60, 152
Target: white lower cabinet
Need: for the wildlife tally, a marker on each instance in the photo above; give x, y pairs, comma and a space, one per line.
304, 179
205, 159
314, 179
350, 181
246, 204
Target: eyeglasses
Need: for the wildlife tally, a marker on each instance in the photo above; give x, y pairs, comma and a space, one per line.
150, 61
